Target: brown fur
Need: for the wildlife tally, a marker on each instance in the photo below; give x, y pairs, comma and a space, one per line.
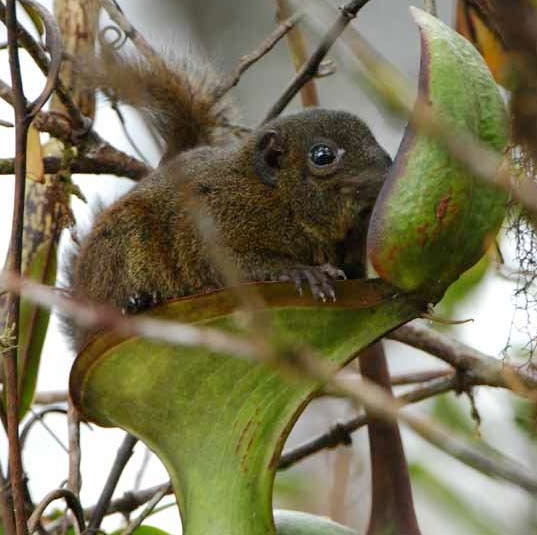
146, 248
178, 97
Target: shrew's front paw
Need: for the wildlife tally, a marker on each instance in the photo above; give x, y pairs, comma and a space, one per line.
320, 279
141, 301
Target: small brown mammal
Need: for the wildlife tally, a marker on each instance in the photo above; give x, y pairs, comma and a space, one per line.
282, 199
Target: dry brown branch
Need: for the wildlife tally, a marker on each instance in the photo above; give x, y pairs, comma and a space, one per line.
264, 48
340, 433
123, 455
74, 480
6, 505
151, 504
55, 49
485, 369
299, 53
95, 154
12, 314
132, 500
365, 393
26, 40
50, 397
101, 317
72, 503
310, 68
103, 161
378, 402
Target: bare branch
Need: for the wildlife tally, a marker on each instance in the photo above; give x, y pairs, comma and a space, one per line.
55, 48
310, 68
151, 504
339, 434
72, 503
123, 455
96, 155
299, 54
378, 402
132, 500
116, 14
74, 481
11, 324
26, 40
49, 397
485, 369
38, 417
6, 505
100, 317
248, 60
104, 161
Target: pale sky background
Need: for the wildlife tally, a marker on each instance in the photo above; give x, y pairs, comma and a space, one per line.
241, 26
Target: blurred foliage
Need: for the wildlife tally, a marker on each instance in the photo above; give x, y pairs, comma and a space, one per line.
449, 501
525, 412
462, 289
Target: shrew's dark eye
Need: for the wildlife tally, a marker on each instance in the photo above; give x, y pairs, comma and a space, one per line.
322, 155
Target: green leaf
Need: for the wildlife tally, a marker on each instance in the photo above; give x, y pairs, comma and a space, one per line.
35, 18
34, 323
144, 529
462, 288
297, 523
433, 219
526, 417
447, 411
219, 423
449, 501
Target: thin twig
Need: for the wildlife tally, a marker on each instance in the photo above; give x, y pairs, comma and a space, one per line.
132, 500
486, 369
49, 397
102, 316
143, 467
123, 455
72, 503
266, 46
96, 155
116, 14
73, 431
299, 54
37, 53
378, 402
339, 434
146, 511
310, 68
55, 49
38, 417
430, 7
55, 437
6, 505
14, 262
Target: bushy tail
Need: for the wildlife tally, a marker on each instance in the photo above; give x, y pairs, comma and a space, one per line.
179, 98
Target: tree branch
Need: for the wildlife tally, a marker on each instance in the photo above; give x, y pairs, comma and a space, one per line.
11, 325
310, 68
485, 369
339, 434
249, 59
123, 455
72, 503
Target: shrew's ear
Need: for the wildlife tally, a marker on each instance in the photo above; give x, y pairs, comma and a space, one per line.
268, 149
